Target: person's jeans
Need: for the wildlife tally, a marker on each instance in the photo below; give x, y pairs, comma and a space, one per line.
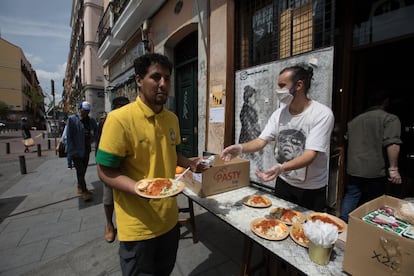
69, 160
81, 165
351, 198
359, 190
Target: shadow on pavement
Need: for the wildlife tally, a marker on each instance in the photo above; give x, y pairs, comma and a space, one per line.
8, 205
97, 194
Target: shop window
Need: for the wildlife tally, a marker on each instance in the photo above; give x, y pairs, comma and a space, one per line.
380, 20
268, 30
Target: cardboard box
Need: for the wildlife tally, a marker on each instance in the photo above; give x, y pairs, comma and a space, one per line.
371, 250
221, 177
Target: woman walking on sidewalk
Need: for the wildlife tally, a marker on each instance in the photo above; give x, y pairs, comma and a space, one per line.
26, 134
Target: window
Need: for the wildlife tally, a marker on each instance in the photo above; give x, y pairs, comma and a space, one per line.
268, 30
380, 20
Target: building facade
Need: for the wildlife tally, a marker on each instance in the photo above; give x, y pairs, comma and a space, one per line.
19, 88
84, 72
212, 42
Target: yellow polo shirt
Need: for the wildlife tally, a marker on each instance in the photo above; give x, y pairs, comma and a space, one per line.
143, 145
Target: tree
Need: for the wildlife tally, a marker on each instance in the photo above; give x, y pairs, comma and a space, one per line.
4, 110
37, 101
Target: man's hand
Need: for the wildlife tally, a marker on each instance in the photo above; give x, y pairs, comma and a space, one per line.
197, 166
394, 176
271, 173
231, 152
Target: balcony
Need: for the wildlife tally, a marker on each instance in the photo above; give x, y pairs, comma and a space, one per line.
104, 28
121, 19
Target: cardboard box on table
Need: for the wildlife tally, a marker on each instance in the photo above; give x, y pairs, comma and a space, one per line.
221, 177
370, 250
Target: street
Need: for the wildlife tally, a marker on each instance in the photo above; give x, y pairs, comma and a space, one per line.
10, 170
47, 229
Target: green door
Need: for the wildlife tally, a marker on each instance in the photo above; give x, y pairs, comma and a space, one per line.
186, 100
186, 92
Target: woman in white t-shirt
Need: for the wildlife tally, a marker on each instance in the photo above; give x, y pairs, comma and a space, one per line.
302, 131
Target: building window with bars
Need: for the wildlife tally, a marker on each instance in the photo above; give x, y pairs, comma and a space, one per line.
268, 30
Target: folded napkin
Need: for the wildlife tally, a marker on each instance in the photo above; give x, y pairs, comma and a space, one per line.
321, 233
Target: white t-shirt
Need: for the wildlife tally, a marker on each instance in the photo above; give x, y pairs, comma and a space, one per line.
293, 134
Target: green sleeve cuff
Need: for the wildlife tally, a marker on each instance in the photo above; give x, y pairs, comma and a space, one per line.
107, 159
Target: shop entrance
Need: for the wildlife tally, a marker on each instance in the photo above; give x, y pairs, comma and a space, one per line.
186, 93
383, 66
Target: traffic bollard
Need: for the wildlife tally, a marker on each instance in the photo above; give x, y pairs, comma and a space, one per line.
48, 144
22, 164
39, 150
8, 148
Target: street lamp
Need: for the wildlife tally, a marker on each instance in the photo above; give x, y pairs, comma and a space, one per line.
55, 129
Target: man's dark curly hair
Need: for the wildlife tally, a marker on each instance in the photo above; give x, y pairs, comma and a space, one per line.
142, 63
300, 72
119, 102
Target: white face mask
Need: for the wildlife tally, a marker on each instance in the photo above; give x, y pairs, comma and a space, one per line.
284, 96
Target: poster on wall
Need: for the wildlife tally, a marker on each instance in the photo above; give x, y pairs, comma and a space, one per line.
255, 100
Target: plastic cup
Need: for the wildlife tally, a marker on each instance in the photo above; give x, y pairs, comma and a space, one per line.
319, 254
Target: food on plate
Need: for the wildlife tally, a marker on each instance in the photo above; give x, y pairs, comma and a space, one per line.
288, 216
271, 229
158, 187
257, 201
327, 218
298, 235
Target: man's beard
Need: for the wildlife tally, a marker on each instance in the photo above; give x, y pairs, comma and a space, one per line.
160, 100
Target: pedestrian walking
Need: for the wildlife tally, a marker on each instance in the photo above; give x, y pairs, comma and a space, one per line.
108, 199
80, 134
27, 136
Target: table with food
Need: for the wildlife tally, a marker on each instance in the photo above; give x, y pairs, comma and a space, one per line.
273, 223
379, 239
313, 243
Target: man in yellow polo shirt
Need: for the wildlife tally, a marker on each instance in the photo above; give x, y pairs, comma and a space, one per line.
139, 141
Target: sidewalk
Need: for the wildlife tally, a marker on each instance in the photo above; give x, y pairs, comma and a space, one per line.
47, 229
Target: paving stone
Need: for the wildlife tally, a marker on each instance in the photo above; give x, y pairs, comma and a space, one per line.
12, 239
18, 223
47, 231
22, 255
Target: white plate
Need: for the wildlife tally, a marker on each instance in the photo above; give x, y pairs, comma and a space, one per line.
262, 201
257, 227
178, 187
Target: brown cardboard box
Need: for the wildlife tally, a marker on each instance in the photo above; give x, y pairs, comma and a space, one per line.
371, 250
221, 177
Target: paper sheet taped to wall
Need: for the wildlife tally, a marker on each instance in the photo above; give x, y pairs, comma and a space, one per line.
216, 115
